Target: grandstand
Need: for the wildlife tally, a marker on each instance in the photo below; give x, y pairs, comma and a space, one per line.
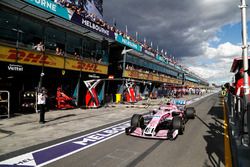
70, 44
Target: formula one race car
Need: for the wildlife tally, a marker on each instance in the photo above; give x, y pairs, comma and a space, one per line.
166, 122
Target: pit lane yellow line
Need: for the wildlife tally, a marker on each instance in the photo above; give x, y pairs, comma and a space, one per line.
227, 149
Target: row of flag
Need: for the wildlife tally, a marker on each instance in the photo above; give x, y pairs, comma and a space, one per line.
145, 41
163, 53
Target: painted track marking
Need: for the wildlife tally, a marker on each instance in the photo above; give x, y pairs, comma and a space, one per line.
227, 148
58, 151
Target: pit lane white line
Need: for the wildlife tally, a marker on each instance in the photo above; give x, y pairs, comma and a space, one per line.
58, 151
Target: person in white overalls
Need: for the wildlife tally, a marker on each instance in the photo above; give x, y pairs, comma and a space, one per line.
41, 103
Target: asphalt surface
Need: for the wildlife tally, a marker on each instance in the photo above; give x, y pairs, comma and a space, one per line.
202, 143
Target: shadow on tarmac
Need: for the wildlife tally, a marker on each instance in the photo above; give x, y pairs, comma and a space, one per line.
215, 138
57, 118
5, 133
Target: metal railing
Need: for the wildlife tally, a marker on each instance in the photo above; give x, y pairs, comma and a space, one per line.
239, 117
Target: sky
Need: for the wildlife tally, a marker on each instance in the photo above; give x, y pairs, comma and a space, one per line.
203, 35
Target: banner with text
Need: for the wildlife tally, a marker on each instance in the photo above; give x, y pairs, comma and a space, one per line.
52, 7
131, 44
9, 54
149, 53
69, 14
150, 77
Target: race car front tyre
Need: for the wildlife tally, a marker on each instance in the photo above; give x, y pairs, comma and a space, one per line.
177, 123
190, 113
182, 129
137, 120
128, 130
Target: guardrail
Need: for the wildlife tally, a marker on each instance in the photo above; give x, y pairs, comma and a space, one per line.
239, 117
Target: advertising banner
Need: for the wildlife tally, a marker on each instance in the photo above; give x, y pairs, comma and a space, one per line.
160, 58
149, 77
178, 67
91, 6
52, 7
191, 79
85, 66
131, 44
92, 26
8, 54
171, 64
147, 52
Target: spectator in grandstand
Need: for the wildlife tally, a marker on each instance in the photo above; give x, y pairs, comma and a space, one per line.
58, 51
77, 55
57, 1
89, 5
39, 47
79, 11
61, 52
61, 2
82, 3
99, 60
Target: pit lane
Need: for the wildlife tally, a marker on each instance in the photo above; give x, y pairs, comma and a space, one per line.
201, 145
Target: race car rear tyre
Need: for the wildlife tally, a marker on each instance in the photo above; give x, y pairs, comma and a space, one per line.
190, 113
177, 123
137, 120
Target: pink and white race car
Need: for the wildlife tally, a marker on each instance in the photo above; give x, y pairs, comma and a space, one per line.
166, 122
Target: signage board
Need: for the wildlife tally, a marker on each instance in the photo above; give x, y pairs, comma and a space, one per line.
127, 42
28, 57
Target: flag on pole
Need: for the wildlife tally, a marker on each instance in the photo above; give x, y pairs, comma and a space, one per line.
76, 93
171, 58
101, 93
